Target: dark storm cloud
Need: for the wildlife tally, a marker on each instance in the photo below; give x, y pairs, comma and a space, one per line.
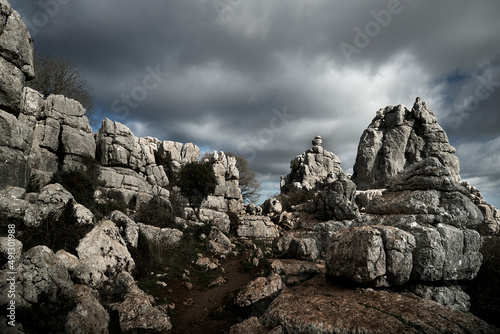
330, 64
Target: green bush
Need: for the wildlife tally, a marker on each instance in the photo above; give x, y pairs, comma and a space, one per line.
156, 212
196, 181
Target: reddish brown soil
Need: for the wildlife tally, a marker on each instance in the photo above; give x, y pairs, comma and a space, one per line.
203, 315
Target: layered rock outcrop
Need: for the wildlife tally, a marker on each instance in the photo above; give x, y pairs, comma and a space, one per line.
398, 138
16, 66
312, 168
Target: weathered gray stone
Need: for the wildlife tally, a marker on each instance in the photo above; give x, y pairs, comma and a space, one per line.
337, 201
136, 314
259, 289
252, 325
128, 228
103, 254
397, 138
161, 241
39, 273
451, 296
16, 45
318, 308
259, 227
272, 206
218, 242
312, 168
89, 316
383, 255
15, 143
50, 203
442, 252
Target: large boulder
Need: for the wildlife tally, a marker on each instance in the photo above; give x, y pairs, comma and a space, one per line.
316, 307
89, 316
397, 138
136, 314
258, 227
63, 138
40, 274
102, 255
337, 201
442, 252
312, 168
16, 138
259, 289
50, 203
377, 255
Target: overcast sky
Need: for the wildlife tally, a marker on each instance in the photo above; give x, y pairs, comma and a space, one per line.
261, 78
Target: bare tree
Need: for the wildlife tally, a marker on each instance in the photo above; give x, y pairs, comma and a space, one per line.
60, 75
249, 185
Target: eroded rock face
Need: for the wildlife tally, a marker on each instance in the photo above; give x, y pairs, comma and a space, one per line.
379, 255
50, 203
397, 138
161, 242
16, 137
89, 316
40, 273
136, 313
451, 296
259, 289
316, 307
102, 254
337, 201
441, 252
312, 168
63, 138
16, 57
259, 227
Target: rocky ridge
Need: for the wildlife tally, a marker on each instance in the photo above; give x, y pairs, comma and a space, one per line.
401, 246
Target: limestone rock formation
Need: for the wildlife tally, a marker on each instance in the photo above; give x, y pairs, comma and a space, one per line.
259, 289
316, 307
312, 168
63, 137
383, 255
227, 191
397, 138
15, 144
258, 227
102, 255
161, 242
451, 296
136, 313
128, 228
293, 271
16, 57
50, 202
337, 201
130, 164
173, 155
89, 316
40, 273
218, 242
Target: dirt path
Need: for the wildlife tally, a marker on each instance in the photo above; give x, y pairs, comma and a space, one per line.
197, 317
